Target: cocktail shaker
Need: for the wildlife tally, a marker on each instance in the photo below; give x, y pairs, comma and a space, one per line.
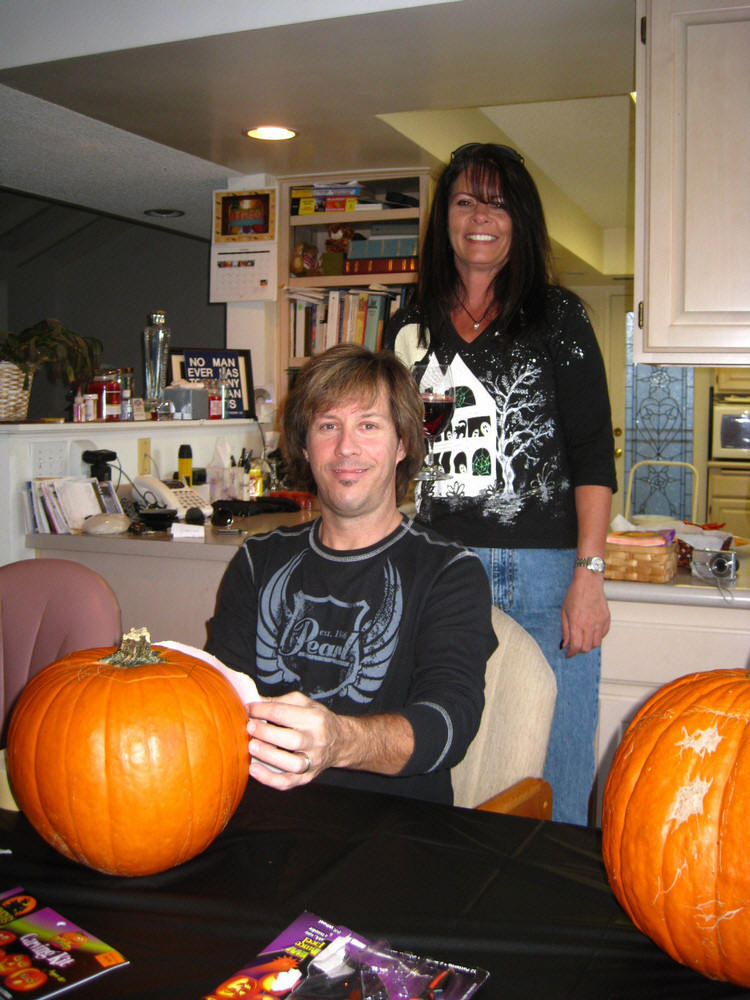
156, 356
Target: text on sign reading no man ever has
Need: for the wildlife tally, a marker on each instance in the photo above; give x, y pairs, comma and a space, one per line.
198, 368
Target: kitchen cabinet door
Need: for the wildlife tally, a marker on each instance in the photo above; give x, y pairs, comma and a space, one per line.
692, 254
729, 499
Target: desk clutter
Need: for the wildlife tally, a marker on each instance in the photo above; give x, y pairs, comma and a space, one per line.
653, 551
313, 958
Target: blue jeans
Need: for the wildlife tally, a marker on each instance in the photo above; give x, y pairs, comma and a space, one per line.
530, 585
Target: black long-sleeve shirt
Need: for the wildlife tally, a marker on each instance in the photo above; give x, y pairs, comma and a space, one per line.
402, 626
531, 422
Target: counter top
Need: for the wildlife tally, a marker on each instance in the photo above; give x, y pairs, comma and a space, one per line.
684, 589
219, 546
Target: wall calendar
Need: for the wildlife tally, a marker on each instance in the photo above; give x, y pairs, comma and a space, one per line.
243, 249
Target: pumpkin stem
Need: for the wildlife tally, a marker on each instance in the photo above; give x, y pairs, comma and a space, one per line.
135, 650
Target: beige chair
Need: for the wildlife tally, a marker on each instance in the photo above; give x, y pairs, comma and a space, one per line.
510, 747
49, 607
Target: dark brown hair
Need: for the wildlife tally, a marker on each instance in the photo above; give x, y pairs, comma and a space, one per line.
520, 287
343, 372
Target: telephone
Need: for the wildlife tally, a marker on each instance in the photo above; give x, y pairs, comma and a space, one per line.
173, 494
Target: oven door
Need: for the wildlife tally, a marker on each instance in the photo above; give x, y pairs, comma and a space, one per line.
730, 434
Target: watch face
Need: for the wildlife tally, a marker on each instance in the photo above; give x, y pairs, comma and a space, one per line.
594, 563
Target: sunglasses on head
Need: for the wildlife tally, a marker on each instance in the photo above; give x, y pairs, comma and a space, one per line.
470, 147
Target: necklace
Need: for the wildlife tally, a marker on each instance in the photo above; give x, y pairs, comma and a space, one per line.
477, 322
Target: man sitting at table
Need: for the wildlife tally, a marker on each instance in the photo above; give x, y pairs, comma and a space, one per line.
367, 634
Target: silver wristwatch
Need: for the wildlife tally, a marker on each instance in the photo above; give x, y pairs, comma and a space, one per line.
594, 563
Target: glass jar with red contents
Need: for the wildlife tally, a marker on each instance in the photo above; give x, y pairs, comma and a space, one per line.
106, 388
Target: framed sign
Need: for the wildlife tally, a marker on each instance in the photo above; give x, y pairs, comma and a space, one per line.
200, 364
244, 216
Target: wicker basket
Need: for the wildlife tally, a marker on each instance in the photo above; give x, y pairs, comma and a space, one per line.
14, 399
649, 564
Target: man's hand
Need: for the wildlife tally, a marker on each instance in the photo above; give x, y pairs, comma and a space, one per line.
298, 738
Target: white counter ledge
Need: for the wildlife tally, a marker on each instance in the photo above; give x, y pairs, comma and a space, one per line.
684, 589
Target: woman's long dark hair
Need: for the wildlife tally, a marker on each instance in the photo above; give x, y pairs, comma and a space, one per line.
520, 286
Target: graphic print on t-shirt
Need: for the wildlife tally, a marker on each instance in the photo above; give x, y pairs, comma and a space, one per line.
491, 450
323, 645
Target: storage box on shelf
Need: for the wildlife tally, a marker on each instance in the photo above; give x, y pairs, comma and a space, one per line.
310, 318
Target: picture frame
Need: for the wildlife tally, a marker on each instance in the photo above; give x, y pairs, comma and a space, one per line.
245, 216
197, 364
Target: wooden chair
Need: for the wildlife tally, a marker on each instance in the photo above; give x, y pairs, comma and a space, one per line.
49, 607
510, 747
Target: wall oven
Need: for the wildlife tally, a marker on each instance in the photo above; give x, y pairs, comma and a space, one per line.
730, 427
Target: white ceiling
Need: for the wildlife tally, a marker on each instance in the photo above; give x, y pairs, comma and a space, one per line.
120, 107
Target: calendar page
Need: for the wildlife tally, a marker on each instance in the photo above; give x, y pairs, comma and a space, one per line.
242, 273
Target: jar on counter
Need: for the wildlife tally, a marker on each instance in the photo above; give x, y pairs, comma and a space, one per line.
126, 394
217, 395
106, 387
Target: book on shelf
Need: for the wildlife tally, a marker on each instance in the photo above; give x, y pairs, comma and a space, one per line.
321, 319
351, 302
319, 204
361, 319
38, 516
60, 505
383, 246
58, 522
333, 326
382, 265
44, 954
348, 190
376, 311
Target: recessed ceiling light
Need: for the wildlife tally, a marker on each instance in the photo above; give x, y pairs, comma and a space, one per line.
164, 213
270, 132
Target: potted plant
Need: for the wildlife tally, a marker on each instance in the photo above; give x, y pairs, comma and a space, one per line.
70, 357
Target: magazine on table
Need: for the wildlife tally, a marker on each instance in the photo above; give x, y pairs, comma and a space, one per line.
42, 954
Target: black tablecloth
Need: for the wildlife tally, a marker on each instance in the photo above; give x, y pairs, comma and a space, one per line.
528, 901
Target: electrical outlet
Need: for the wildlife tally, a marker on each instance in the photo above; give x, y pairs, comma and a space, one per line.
49, 458
144, 456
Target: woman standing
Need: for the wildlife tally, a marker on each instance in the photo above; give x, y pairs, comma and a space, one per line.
530, 452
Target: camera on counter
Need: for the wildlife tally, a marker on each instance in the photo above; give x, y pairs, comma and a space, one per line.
714, 564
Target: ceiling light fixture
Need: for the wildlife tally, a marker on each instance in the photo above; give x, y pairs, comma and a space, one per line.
164, 213
270, 132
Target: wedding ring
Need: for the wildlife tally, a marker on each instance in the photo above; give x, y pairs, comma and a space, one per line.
306, 768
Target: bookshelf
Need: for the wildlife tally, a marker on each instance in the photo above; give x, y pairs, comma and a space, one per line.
312, 229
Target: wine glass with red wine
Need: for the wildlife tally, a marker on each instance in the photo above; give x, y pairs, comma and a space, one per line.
438, 395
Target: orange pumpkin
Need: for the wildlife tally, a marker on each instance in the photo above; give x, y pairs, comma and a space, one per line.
676, 814
128, 768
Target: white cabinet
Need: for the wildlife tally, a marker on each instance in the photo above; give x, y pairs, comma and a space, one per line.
650, 644
729, 497
692, 253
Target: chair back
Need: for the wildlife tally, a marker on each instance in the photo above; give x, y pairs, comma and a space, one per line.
511, 744
48, 608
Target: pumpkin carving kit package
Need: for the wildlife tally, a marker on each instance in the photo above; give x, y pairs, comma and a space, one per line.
42, 954
313, 959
